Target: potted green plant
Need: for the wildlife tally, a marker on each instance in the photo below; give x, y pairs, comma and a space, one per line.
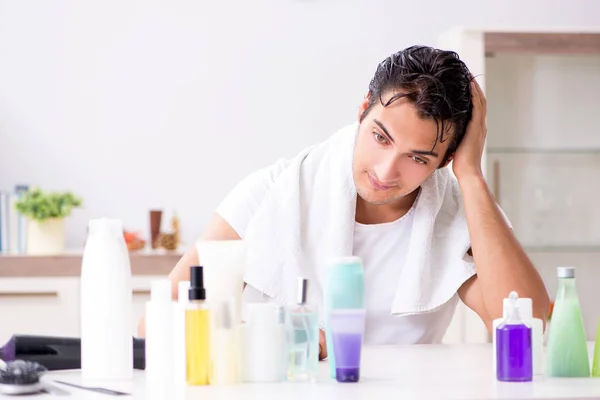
46, 212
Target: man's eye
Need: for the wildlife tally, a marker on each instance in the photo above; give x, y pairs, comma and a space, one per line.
379, 137
419, 160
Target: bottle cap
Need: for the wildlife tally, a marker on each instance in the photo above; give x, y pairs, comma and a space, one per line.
565, 272
263, 313
513, 308
106, 225
524, 304
182, 292
345, 286
196, 291
160, 290
302, 291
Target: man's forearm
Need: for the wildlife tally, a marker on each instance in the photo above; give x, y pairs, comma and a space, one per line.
502, 265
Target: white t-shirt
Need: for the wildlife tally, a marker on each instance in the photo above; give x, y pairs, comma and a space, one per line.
382, 247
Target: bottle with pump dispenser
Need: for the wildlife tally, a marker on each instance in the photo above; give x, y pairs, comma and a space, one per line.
525, 306
566, 351
159, 332
304, 342
106, 304
224, 347
263, 344
197, 327
514, 352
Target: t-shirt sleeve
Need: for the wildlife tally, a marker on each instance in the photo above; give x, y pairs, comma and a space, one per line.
238, 207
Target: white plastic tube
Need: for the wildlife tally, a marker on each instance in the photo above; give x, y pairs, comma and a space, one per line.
224, 345
224, 264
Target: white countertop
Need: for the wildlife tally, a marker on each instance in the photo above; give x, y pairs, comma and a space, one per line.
399, 372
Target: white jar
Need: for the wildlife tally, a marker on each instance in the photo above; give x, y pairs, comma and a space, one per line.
106, 304
263, 344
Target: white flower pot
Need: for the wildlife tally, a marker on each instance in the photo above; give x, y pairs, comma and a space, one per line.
46, 237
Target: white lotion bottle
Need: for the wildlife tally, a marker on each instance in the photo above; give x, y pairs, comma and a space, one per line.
159, 332
179, 353
525, 306
106, 304
224, 347
263, 344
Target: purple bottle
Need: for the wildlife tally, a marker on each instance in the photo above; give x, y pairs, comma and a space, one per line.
513, 346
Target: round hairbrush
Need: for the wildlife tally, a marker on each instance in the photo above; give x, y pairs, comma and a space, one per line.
21, 377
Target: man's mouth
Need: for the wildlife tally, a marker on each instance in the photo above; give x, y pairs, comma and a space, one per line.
378, 185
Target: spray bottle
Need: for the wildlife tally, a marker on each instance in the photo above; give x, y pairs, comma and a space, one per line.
197, 326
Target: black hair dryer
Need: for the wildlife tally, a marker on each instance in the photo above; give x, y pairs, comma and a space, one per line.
58, 353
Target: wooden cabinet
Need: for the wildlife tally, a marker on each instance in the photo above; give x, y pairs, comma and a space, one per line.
50, 306
39, 306
41, 295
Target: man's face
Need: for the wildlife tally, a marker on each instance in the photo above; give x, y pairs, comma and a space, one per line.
394, 151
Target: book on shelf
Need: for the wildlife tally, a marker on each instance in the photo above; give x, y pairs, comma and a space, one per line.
13, 225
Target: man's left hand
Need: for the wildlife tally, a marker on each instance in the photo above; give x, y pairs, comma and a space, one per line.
467, 160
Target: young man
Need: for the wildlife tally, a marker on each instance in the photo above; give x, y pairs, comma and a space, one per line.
423, 110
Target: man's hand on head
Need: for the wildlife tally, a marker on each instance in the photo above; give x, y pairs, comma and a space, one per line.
468, 156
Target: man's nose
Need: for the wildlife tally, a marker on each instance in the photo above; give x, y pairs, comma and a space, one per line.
387, 170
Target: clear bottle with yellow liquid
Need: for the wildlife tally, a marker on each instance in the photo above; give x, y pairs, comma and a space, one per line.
197, 331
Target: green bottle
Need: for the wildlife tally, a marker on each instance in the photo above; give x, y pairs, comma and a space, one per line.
596, 366
566, 353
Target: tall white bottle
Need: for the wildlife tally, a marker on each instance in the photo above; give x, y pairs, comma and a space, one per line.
106, 304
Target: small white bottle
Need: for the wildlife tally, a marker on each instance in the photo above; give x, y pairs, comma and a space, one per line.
179, 362
224, 347
106, 304
159, 332
525, 307
263, 344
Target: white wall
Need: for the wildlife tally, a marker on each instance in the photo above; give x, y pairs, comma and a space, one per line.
140, 104
541, 103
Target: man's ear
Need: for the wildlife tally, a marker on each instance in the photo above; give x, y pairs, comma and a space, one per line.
450, 158
363, 106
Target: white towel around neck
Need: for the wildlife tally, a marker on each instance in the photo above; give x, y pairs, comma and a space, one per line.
307, 218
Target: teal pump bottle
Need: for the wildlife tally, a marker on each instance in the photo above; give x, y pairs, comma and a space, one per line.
344, 289
566, 352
